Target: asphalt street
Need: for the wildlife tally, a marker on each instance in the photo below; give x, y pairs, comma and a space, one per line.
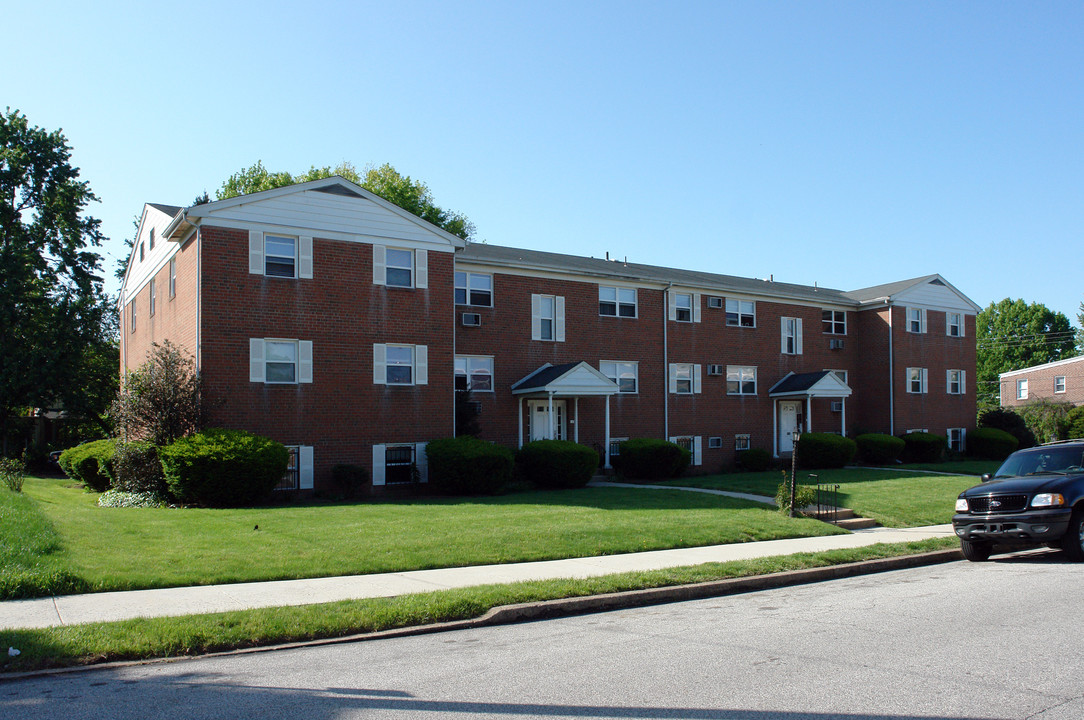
953, 641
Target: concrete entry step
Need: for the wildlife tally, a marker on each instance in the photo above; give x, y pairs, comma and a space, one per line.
840, 517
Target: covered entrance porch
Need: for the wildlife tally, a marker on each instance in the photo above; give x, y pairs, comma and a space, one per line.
792, 406
549, 402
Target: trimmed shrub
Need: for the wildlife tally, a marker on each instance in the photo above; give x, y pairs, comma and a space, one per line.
136, 469
879, 449
1010, 422
804, 496
990, 443
651, 459
825, 450
465, 465
349, 478
924, 447
556, 463
90, 463
12, 472
223, 468
754, 459
1074, 423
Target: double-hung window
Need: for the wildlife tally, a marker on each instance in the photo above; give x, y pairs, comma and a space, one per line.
685, 378
742, 441
400, 364
399, 464
172, 278
834, 322
1059, 384
132, 314
275, 255
1022, 389
741, 380
399, 267
741, 313
474, 373
473, 289
548, 318
916, 320
280, 256
617, 302
791, 336
957, 439
955, 382
623, 374
150, 312
683, 307
954, 324
279, 361
280, 357
916, 380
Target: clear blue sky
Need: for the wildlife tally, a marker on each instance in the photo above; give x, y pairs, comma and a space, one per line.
848, 144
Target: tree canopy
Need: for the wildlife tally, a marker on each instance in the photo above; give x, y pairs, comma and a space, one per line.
54, 318
412, 195
1012, 334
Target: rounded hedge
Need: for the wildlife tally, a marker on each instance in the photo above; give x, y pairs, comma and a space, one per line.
1074, 423
879, 449
223, 468
825, 450
1011, 422
465, 465
90, 463
991, 443
556, 463
920, 447
754, 459
137, 469
650, 459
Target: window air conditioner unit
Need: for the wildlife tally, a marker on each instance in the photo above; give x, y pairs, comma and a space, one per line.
837, 406
716, 370
715, 302
835, 344
472, 320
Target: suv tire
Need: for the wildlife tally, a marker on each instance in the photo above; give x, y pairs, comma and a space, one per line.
1073, 542
976, 551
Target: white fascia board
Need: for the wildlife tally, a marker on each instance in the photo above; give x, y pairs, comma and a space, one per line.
1044, 366
360, 239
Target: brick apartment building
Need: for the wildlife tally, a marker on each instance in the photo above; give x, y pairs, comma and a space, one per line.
326, 318
1058, 381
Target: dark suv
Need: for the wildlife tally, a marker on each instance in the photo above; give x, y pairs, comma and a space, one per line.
1035, 498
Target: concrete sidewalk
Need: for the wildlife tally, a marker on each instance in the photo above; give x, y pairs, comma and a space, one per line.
112, 606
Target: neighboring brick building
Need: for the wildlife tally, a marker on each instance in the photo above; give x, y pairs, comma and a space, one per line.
339, 324
1058, 381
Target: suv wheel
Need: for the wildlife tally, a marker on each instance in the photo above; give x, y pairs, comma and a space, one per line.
976, 551
1073, 542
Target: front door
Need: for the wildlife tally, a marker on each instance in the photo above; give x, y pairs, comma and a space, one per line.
540, 420
789, 418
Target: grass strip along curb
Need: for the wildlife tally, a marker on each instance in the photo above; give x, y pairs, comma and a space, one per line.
145, 639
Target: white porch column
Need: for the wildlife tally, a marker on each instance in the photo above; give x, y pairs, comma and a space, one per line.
775, 428
576, 419
606, 447
808, 413
843, 417
552, 436
520, 421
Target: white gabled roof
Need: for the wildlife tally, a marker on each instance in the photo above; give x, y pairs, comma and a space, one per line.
930, 291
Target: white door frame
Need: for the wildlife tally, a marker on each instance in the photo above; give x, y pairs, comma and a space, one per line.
788, 410
540, 409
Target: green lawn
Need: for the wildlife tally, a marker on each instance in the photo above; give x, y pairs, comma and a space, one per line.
129, 548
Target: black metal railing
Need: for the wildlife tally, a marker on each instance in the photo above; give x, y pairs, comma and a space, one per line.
827, 501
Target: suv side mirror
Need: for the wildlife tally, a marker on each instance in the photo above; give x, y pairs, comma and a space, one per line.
986, 477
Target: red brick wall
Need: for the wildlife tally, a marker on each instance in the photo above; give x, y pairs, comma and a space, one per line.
174, 318
342, 413
1041, 385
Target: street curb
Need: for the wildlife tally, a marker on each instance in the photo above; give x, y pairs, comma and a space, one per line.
568, 607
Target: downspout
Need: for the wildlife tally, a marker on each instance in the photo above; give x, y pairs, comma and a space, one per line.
666, 363
891, 377
199, 299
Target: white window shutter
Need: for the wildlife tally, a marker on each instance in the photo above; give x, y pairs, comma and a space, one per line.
256, 367
380, 276
696, 307
421, 268
380, 361
304, 257
963, 382
948, 381
783, 335
378, 464
923, 319
421, 461
696, 378
536, 317
421, 365
304, 459
673, 378
559, 319
673, 306
798, 336
304, 361
255, 252
698, 458
923, 379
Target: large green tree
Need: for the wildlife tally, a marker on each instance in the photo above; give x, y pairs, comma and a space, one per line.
1013, 334
384, 180
54, 318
